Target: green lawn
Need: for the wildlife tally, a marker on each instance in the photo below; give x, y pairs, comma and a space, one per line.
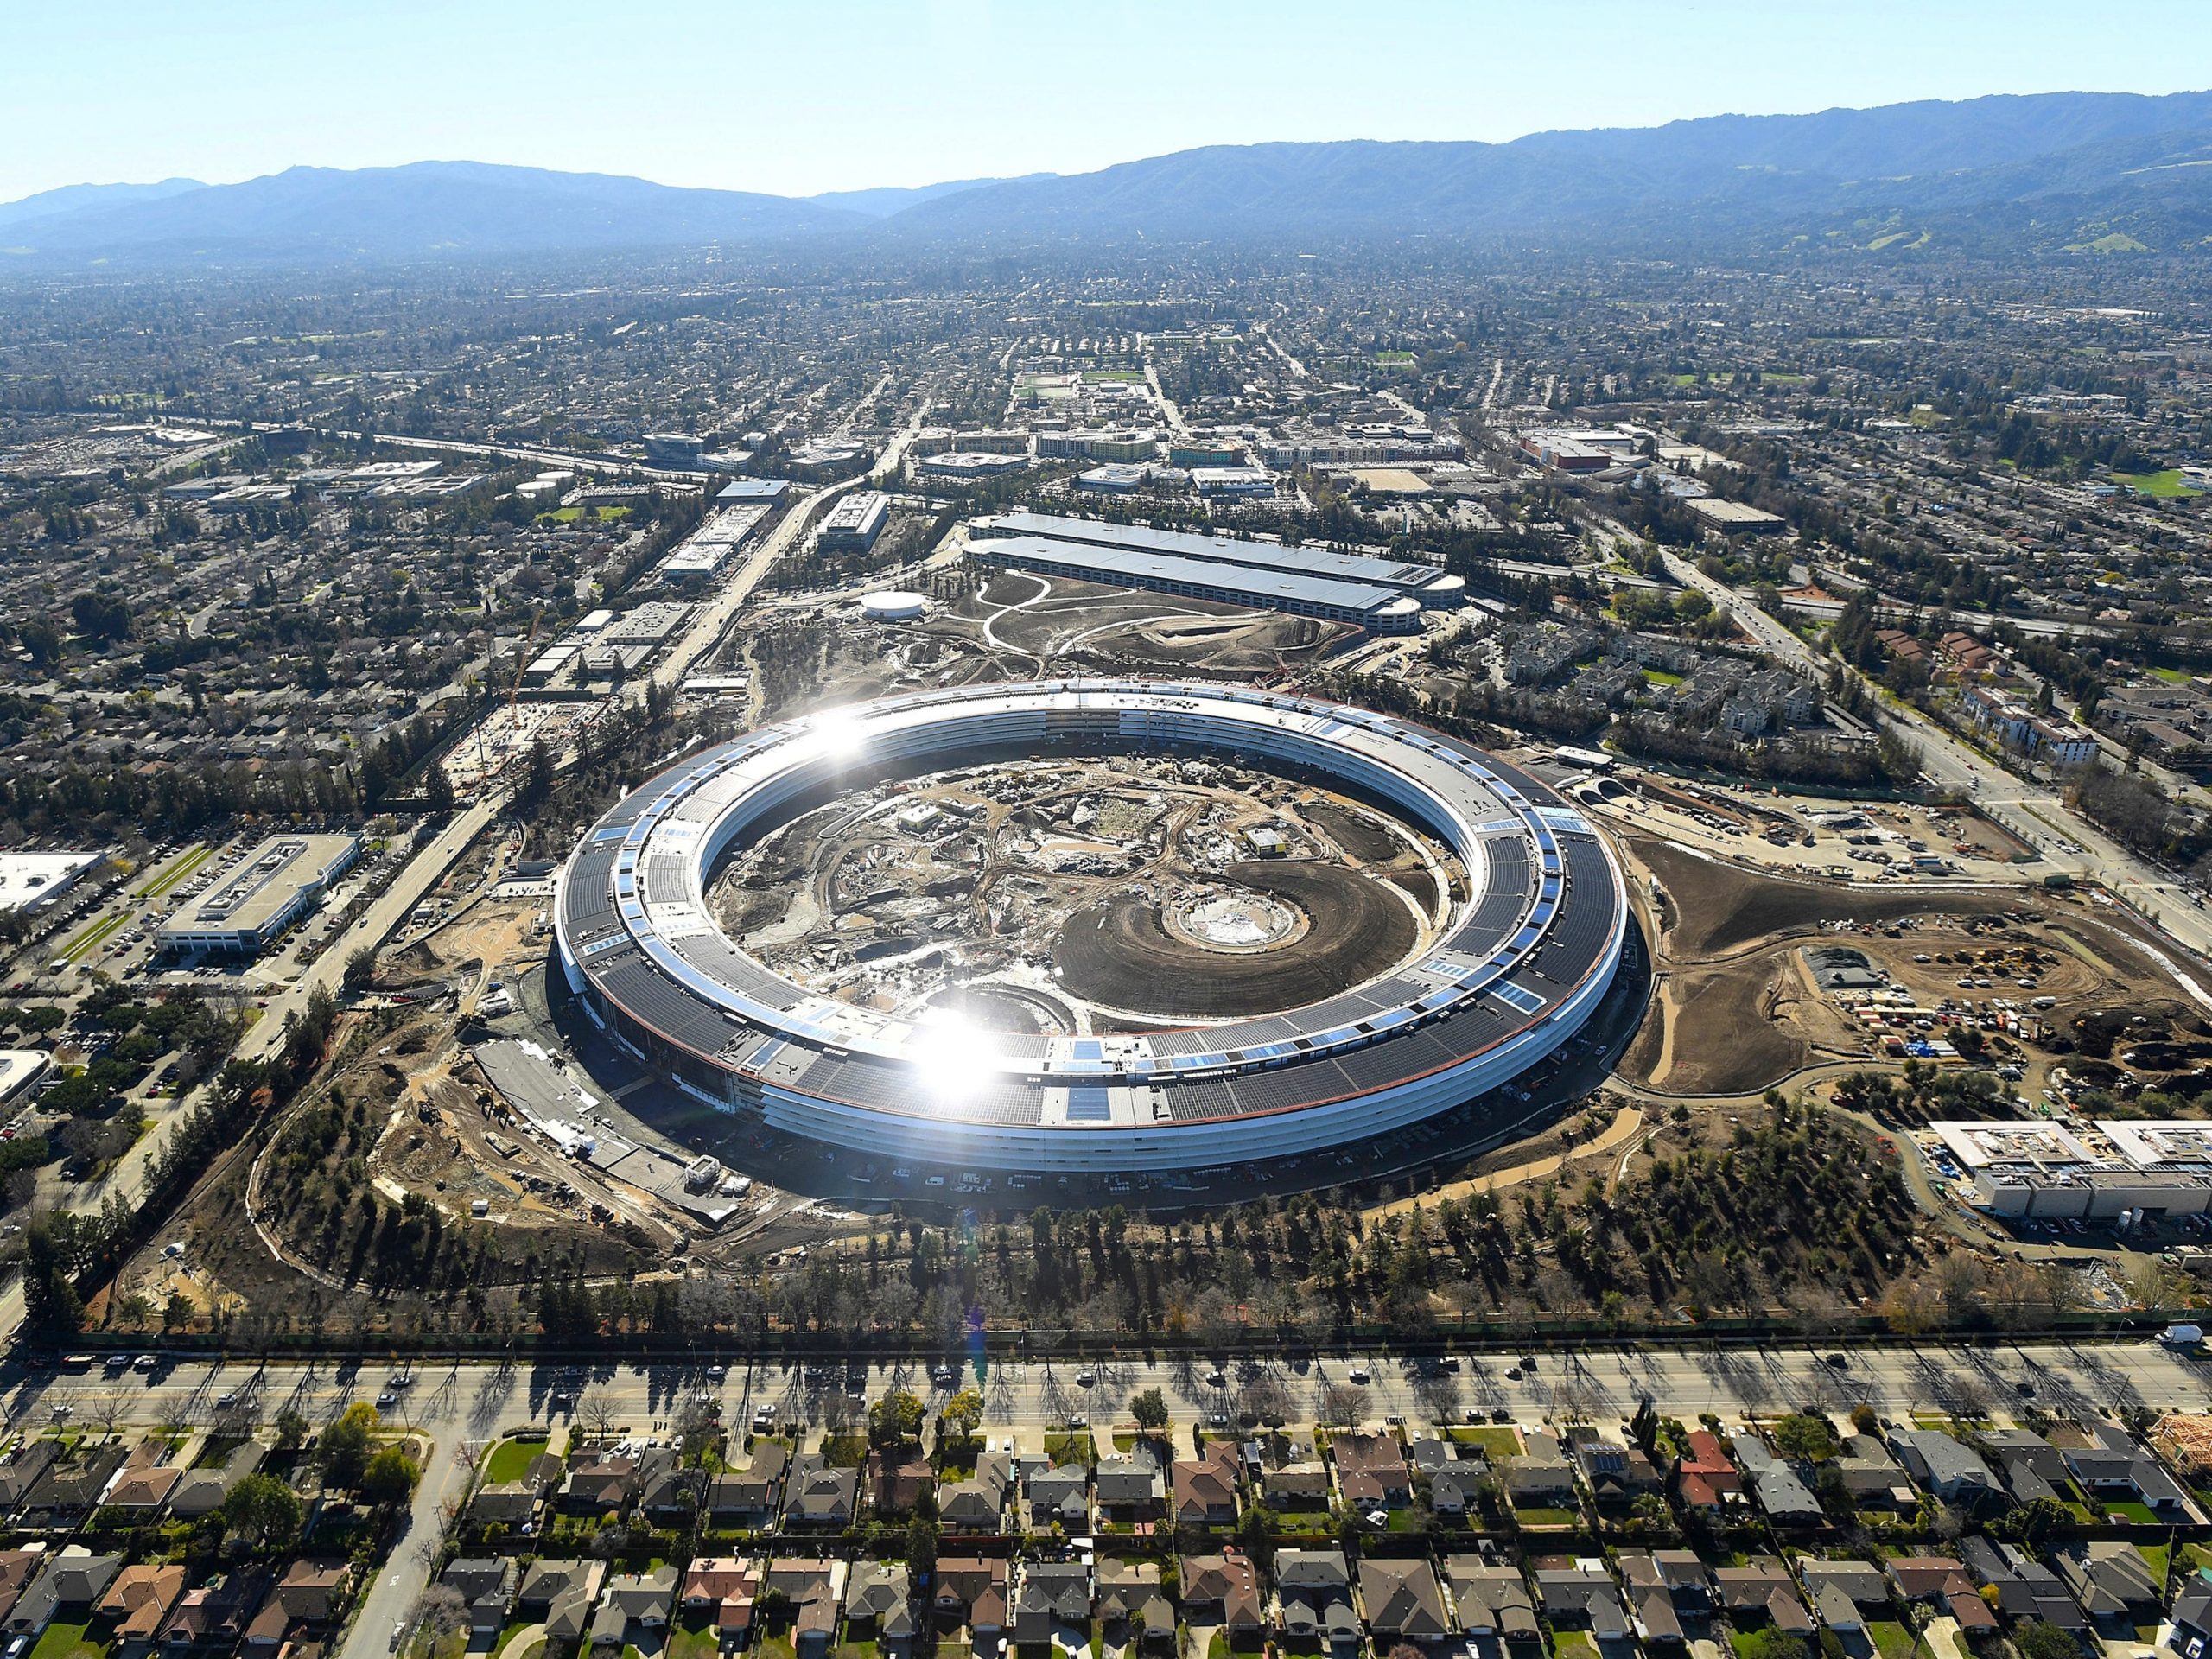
1388, 359
1663, 677
511, 1460
507, 1637
1891, 1639
775, 1647
2156, 1557
569, 515
694, 1638
2135, 1514
1066, 1448
1574, 1644
92, 939
1547, 1517
844, 1451
2165, 486
66, 1641
177, 871
1494, 1440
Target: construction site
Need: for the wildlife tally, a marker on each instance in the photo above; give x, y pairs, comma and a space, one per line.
1097, 894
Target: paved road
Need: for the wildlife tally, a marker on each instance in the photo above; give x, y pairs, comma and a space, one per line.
470, 1403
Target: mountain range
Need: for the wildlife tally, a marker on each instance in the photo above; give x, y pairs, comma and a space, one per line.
2073, 172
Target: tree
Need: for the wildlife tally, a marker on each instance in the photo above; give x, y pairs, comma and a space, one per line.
437, 790
895, 1418
343, 1451
134, 1311
291, 1431
51, 1306
921, 1545
1149, 1407
389, 1476
963, 1413
2038, 1639
264, 1511
360, 970
178, 1311
1801, 1435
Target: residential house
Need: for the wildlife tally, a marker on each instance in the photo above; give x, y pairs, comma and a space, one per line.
1223, 1590
2112, 1581
1296, 1487
897, 1478
1939, 1581
819, 1495
1946, 1467
137, 1602
602, 1484
2192, 1619
487, 1584
71, 1583
1762, 1590
1371, 1470
879, 1606
1492, 1599
1205, 1487
814, 1587
141, 1493
722, 1589
1845, 1594
22, 1469
977, 1503
752, 1496
1456, 1488
669, 1494
1130, 1601
1539, 1475
1404, 1601
1581, 1594
2030, 1465
971, 1589
309, 1599
1617, 1474
67, 1494
1129, 1489
1781, 1491
16, 1567
2023, 1587
202, 1490
1054, 1597
1874, 1478
634, 1604
216, 1616
1314, 1597
1664, 1586
1062, 1495
1706, 1478
2116, 1469
559, 1594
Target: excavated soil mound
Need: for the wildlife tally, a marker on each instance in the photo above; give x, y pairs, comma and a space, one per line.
1117, 952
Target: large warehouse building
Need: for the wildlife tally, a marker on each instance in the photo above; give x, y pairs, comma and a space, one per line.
1528, 950
1386, 595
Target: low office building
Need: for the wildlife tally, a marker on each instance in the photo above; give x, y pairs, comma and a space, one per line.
276, 884
855, 523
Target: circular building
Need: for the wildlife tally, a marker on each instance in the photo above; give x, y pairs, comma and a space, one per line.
895, 606
1534, 933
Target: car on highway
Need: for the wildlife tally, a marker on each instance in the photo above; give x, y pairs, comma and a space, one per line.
1085, 1379
387, 1399
1359, 1374
716, 1373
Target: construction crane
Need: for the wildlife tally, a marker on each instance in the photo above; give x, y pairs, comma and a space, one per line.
514, 689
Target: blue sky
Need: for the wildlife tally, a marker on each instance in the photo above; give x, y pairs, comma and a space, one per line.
836, 94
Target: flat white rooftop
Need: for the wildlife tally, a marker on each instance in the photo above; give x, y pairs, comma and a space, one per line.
28, 879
